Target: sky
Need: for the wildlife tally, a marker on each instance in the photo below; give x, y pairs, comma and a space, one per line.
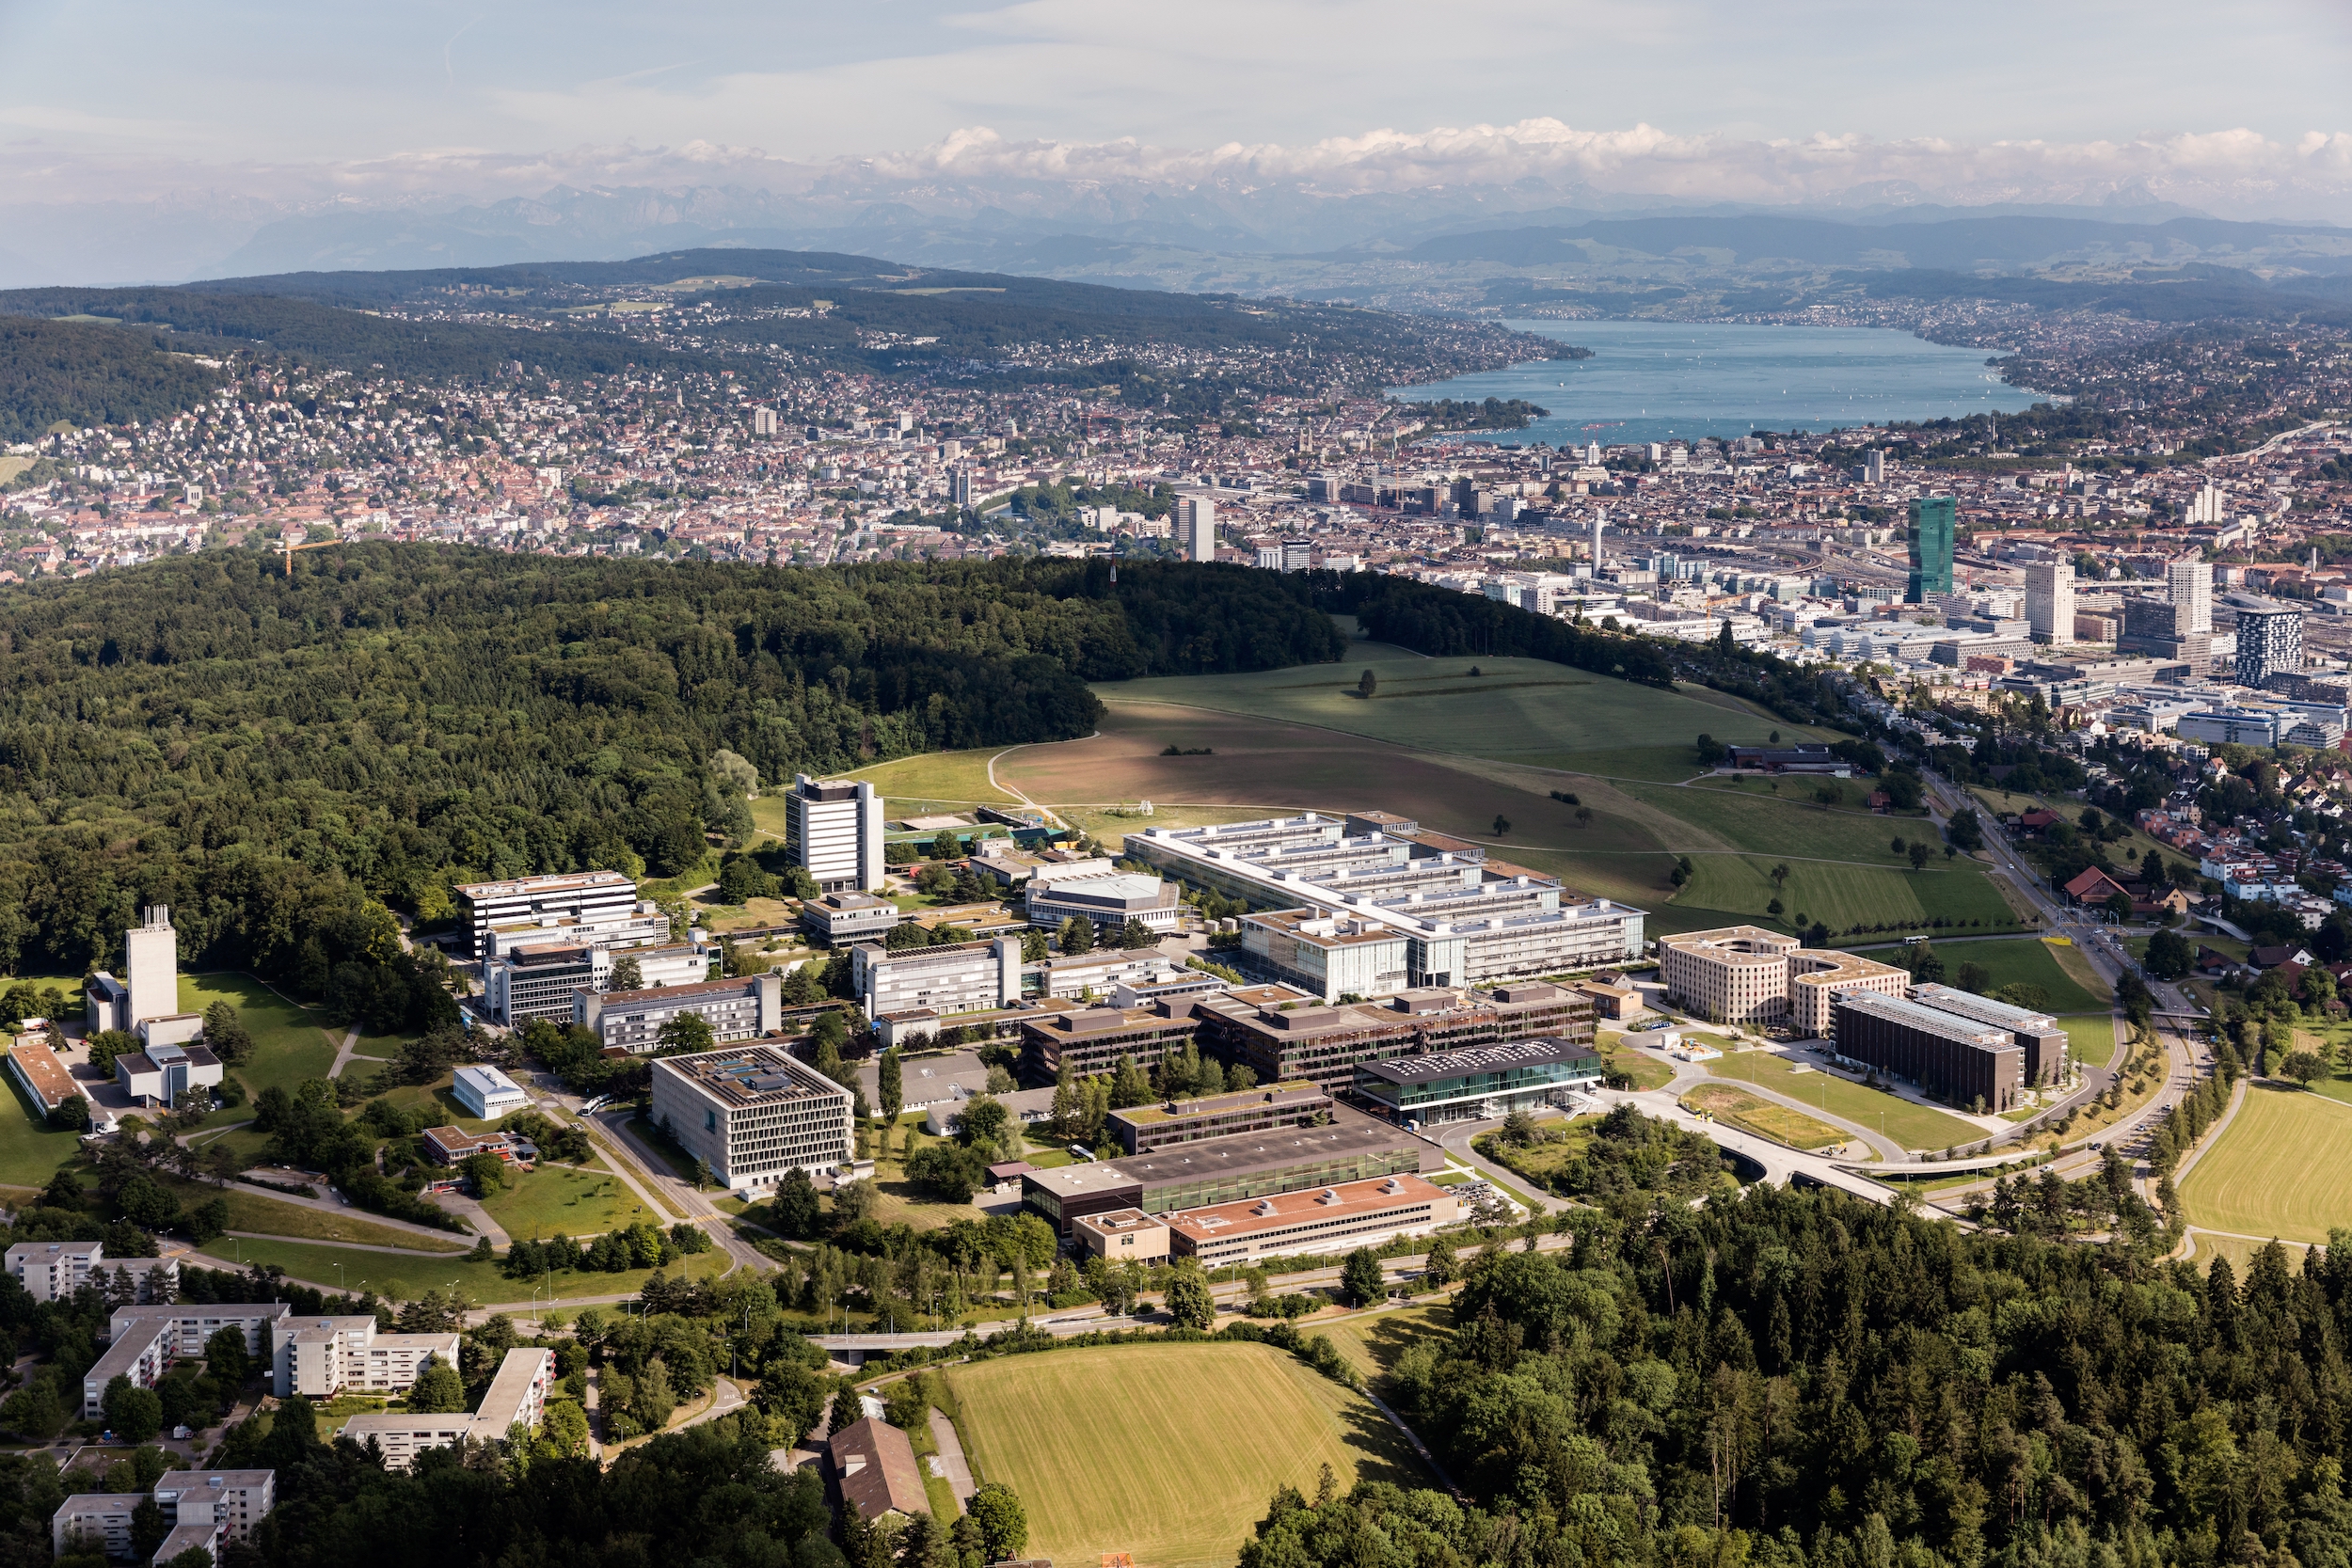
285, 102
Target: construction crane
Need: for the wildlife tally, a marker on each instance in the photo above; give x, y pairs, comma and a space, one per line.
287, 551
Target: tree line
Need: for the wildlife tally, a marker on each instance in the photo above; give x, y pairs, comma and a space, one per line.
289, 761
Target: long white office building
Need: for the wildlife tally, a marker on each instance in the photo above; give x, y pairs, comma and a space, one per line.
1464, 922
595, 899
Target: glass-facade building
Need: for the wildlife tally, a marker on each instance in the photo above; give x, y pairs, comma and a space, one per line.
1933, 521
1478, 1084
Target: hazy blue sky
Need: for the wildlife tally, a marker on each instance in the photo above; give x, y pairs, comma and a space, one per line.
109, 96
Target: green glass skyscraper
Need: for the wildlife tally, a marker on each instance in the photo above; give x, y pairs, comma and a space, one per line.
1933, 519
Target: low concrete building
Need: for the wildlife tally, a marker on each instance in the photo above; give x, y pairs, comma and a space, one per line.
1109, 902
163, 1072
1027, 1107
35, 1066
838, 919
447, 1145
1144, 1128
631, 1020
1070, 977
752, 1113
486, 1093
1337, 1218
1123, 1236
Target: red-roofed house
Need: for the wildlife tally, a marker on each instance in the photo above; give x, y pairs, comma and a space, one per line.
2093, 886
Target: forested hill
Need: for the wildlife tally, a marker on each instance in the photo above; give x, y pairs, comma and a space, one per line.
273, 756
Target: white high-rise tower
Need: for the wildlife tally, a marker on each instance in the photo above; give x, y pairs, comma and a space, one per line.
150, 966
1196, 527
2189, 583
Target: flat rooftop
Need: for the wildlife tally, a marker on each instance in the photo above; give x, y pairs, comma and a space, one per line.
1250, 1216
1984, 1009
1950, 1025
1479, 1059
1318, 930
1351, 1133
567, 881
1283, 1096
750, 1075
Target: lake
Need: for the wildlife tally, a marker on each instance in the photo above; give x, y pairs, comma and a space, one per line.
1660, 381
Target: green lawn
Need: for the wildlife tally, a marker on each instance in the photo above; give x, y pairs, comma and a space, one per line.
250, 1209
1742, 1109
1911, 1125
2027, 960
1740, 888
290, 1044
1166, 1451
30, 1152
405, 1277
556, 1199
1517, 710
1374, 1340
2283, 1167
2090, 1038
1753, 819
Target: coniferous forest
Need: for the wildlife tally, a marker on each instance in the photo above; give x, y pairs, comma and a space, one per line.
1799, 1379
284, 759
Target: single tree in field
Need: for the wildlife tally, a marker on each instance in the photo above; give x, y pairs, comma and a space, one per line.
1367, 684
1188, 1299
1920, 853
1583, 816
1359, 1278
1780, 875
1502, 825
2304, 1067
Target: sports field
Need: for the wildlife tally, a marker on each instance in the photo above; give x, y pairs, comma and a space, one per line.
1913, 1126
2283, 1167
1169, 1453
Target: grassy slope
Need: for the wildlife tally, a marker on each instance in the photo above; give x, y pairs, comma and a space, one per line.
290, 1043
2283, 1167
556, 1199
1166, 1452
1372, 1341
2029, 961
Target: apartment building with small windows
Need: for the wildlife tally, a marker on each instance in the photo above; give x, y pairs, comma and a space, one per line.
752, 1113
518, 1396
204, 1508
319, 1357
52, 1271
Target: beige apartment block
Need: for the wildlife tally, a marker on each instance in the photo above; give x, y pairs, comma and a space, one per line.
1747, 974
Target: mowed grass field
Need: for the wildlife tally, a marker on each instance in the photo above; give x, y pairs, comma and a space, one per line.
2283, 1167
1913, 1126
1167, 1451
1778, 1122
1458, 754
2031, 960
557, 1200
1842, 897
1374, 1340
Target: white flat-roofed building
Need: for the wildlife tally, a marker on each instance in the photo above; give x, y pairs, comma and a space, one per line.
737, 1009
100, 1519
590, 897
143, 1344
195, 1322
643, 924
1328, 1219
1464, 922
952, 978
486, 1093
518, 1396
842, 918
235, 1501
752, 1113
162, 1073
1109, 902
318, 1357
1068, 977
1329, 956
833, 832
52, 1271
539, 981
